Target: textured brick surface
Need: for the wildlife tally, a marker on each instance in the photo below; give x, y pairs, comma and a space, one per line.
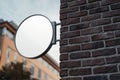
103, 36
115, 6
90, 17
64, 73
64, 29
79, 26
93, 1
100, 22
79, 40
70, 64
93, 62
69, 10
112, 27
116, 19
78, 72
76, 3
70, 48
79, 55
113, 42
90, 40
77, 14
99, 10
64, 57
105, 69
91, 30
111, 13
102, 77
70, 34
108, 2
94, 45
115, 77
104, 52
114, 59
76, 78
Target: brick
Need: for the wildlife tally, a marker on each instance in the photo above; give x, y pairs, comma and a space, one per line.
62, 1
93, 1
115, 76
93, 62
112, 13
79, 26
100, 22
70, 34
63, 29
118, 49
90, 6
83, 7
70, 48
113, 42
63, 73
117, 33
101, 77
103, 52
69, 0
64, 22
79, 40
114, 59
79, 55
107, 2
75, 78
115, 6
63, 16
63, 57
63, 5
116, 19
77, 14
103, 36
68, 10
90, 39
99, 10
119, 67
112, 27
78, 72
105, 69
90, 17
63, 42
93, 45
77, 3
67, 64
71, 78
91, 30
93, 5
74, 20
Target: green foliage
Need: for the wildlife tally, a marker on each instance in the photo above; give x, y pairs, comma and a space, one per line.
15, 72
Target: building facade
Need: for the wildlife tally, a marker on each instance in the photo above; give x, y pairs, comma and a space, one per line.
90, 40
44, 68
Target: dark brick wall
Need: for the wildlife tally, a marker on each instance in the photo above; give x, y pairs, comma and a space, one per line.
90, 40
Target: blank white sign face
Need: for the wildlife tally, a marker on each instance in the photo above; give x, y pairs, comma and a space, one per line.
34, 36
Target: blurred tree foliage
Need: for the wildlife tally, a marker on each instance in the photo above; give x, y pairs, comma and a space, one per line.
15, 72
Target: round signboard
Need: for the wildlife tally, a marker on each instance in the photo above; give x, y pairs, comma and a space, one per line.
34, 36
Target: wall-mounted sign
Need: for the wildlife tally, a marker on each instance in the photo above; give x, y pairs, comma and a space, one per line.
34, 36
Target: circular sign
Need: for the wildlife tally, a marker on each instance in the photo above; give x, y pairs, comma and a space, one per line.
34, 36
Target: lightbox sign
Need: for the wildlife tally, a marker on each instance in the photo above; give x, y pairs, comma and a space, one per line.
35, 36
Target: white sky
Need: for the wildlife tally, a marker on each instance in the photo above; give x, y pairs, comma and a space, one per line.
18, 10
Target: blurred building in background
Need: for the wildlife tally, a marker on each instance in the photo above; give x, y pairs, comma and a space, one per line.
44, 68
